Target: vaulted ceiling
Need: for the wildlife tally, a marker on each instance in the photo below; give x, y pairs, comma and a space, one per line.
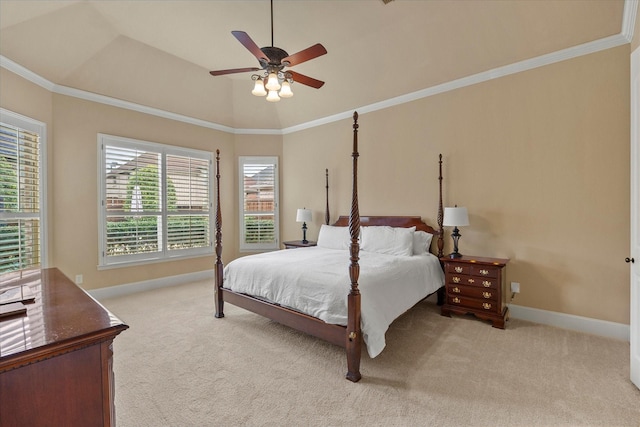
159, 53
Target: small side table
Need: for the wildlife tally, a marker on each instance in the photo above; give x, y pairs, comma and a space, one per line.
476, 285
293, 244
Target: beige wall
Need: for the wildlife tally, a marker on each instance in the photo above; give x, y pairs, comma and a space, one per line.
75, 205
540, 159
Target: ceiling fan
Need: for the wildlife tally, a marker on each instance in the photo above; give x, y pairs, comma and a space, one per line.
273, 61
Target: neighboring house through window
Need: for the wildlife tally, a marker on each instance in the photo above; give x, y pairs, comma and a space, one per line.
155, 201
259, 219
22, 193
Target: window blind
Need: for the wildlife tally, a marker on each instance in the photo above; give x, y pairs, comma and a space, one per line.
259, 216
20, 222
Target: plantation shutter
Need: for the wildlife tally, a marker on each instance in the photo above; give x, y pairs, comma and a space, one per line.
187, 202
133, 201
20, 222
259, 202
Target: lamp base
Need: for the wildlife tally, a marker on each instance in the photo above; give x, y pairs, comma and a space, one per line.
454, 255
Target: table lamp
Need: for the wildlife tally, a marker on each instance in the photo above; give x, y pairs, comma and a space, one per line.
455, 217
303, 215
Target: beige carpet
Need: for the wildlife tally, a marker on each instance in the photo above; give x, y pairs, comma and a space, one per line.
179, 366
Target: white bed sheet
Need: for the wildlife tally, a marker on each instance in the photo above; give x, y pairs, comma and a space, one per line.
316, 281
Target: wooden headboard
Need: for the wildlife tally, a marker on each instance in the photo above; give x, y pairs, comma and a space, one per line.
392, 221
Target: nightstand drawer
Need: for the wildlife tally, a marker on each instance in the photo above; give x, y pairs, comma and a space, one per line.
459, 279
473, 292
458, 269
488, 306
485, 271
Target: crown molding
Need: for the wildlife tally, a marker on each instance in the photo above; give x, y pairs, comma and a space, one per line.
624, 37
25, 73
629, 19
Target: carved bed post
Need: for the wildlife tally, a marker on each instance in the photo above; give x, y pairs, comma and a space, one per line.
354, 336
441, 292
327, 216
219, 267
440, 213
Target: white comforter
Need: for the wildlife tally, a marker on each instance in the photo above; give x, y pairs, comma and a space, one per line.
316, 281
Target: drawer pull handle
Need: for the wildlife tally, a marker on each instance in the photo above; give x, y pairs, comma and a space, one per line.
458, 269
456, 290
455, 279
486, 283
456, 300
486, 305
486, 294
484, 272
471, 281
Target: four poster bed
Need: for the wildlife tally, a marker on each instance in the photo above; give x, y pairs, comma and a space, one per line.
306, 288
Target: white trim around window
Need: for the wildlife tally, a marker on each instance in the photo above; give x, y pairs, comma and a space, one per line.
39, 214
154, 202
258, 195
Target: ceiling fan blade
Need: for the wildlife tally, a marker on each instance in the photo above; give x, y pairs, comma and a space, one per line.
305, 55
250, 45
306, 80
233, 71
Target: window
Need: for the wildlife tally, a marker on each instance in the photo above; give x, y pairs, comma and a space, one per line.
258, 203
22, 213
155, 201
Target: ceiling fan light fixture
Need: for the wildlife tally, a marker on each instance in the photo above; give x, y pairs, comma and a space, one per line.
258, 88
273, 96
273, 61
272, 82
285, 91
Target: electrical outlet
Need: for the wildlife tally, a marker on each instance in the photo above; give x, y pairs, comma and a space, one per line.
515, 287
78, 279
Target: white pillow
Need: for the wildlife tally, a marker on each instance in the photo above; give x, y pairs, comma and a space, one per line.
388, 240
421, 242
332, 237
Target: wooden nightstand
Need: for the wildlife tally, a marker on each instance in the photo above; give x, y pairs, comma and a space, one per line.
476, 285
293, 244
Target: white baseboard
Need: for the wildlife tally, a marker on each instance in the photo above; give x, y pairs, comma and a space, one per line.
570, 321
552, 318
147, 285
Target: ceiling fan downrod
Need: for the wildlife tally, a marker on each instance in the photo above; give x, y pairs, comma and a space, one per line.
272, 23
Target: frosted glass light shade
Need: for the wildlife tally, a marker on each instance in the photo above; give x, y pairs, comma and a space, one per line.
273, 96
303, 215
285, 91
455, 217
258, 89
272, 82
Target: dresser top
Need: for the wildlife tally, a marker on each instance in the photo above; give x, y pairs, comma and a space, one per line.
470, 259
61, 315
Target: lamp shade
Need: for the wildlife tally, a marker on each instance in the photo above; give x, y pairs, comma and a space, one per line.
303, 215
455, 217
258, 89
285, 91
273, 96
272, 82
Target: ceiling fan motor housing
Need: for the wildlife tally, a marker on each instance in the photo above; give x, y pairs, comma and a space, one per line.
275, 55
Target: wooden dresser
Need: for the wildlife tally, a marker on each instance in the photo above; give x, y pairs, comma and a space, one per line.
56, 361
476, 285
